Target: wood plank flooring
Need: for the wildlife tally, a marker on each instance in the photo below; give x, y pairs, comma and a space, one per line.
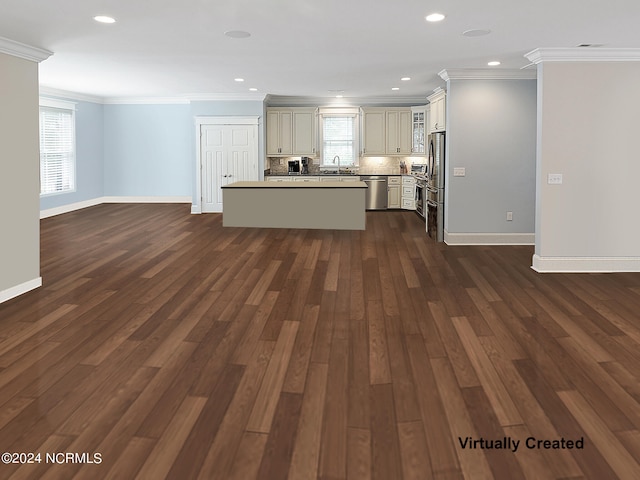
165, 346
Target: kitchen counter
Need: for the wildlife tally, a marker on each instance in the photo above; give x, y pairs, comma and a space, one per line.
267, 185
362, 172
315, 205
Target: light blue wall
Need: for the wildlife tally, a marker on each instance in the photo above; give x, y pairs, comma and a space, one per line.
491, 132
147, 150
142, 150
89, 158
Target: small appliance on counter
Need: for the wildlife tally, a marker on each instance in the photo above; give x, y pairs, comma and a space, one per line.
294, 167
305, 165
419, 169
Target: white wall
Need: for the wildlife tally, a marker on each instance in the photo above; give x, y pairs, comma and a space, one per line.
589, 131
19, 162
491, 132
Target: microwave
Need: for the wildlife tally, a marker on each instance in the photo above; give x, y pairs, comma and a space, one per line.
418, 169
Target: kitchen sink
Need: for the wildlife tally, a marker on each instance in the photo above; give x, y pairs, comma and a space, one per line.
342, 171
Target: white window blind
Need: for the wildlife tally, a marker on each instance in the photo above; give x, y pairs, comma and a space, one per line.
339, 139
57, 149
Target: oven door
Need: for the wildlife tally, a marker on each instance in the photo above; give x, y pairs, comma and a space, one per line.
432, 220
421, 190
433, 216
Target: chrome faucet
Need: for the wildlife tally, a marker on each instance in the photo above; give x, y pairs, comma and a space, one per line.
334, 161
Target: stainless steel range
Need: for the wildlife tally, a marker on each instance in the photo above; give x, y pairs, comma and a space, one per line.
421, 195
419, 171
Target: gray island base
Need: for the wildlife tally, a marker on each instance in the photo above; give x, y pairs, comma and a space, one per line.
317, 205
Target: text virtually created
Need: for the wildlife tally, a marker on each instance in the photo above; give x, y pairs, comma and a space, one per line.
512, 444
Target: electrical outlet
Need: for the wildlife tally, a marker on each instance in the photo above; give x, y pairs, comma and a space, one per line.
554, 179
459, 172
509, 216
282, 161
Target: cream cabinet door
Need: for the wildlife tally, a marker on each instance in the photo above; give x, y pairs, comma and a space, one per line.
279, 133
373, 132
304, 132
399, 124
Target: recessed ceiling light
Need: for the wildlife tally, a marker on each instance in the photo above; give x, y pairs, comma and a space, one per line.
237, 34
405, 79
239, 79
252, 89
395, 88
476, 32
104, 19
494, 63
435, 17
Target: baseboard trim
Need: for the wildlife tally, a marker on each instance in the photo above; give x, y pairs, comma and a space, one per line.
195, 209
489, 238
168, 199
585, 264
51, 212
18, 290
72, 207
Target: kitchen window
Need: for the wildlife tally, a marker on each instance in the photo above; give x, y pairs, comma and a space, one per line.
57, 147
339, 137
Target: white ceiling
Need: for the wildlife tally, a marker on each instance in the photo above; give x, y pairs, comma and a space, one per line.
302, 48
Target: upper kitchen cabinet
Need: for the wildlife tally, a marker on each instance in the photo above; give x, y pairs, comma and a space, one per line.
373, 131
279, 132
419, 123
437, 111
398, 131
304, 131
291, 132
386, 131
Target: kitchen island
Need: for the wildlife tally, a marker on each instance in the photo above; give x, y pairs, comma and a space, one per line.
314, 204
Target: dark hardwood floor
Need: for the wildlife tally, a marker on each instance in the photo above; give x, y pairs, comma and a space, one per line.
162, 345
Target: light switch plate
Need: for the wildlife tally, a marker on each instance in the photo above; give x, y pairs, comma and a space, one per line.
459, 172
554, 179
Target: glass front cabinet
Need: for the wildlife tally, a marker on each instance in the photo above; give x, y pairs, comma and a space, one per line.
419, 123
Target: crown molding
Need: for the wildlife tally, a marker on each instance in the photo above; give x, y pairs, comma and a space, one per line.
22, 50
583, 54
55, 92
146, 101
486, 74
232, 97
382, 101
178, 100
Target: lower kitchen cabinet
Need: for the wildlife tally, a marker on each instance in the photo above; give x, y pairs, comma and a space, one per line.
306, 179
279, 179
394, 186
408, 192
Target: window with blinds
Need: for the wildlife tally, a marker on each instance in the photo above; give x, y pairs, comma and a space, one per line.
57, 147
339, 139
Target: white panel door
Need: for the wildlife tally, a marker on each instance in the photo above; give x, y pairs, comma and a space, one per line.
229, 154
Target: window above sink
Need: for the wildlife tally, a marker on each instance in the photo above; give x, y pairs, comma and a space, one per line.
339, 139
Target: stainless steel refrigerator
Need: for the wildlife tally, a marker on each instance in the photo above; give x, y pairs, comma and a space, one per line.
435, 186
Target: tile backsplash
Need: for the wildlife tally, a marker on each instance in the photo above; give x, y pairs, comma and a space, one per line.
382, 165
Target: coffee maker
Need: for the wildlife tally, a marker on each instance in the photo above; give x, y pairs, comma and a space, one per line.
294, 167
305, 165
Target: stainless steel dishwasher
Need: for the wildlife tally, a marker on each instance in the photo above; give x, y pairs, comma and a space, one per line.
377, 195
